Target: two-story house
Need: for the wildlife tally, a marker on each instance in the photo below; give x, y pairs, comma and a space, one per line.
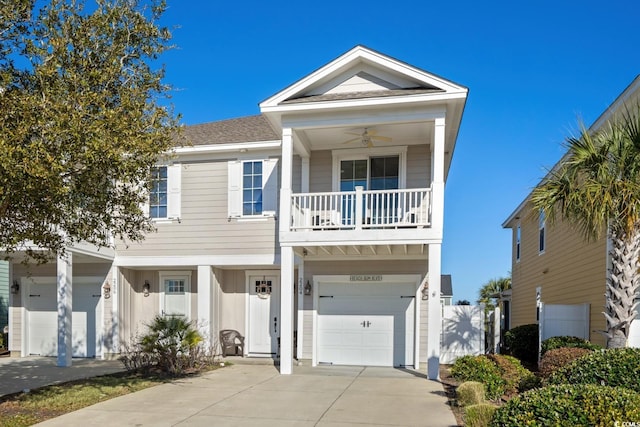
554, 264
314, 229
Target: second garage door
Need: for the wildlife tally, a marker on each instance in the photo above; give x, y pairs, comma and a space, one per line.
370, 324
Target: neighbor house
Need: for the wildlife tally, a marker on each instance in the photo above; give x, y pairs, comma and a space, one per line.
314, 229
553, 264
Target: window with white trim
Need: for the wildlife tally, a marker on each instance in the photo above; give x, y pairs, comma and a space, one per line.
253, 188
518, 234
542, 222
165, 192
175, 293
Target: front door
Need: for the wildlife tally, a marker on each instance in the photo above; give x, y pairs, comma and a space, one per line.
264, 315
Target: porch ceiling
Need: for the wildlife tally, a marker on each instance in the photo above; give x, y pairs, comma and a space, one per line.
386, 251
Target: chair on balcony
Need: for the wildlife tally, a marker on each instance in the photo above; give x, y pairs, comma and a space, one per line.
232, 343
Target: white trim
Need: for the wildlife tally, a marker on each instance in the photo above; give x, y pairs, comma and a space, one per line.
179, 275
194, 260
365, 154
230, 147
385, 278
247, 284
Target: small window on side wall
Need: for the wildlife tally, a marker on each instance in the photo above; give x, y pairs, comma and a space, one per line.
542, 222
518, 234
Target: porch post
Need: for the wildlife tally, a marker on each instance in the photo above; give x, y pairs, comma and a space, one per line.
115, 303
434, 324
285, 182
204, 302
65, 308
300, 313
286, 310
437, 175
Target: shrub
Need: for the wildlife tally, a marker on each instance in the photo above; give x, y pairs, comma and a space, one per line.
522, 342
512, 372
566, 341
470, 393
570, 405
479, 415
619, 367
556, 358
480, 369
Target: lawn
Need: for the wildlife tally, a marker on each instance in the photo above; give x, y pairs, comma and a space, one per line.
25, 409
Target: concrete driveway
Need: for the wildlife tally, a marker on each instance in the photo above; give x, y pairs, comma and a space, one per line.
256, 395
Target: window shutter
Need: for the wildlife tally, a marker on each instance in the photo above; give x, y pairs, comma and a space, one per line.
174, 185
235, 188
270, 186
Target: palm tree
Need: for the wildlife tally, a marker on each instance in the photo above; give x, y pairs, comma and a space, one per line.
596, 188
489, 291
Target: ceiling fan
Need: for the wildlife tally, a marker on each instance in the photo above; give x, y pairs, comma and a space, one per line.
367, 137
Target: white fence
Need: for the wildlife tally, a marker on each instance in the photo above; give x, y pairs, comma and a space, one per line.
462, 332
564, 319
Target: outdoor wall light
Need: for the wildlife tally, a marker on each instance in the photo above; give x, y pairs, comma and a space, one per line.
15, 288
146, 288
307, 288
106, 289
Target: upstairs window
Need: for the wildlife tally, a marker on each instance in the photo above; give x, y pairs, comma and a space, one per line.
518, 243
164, 195
253, 188
541, 231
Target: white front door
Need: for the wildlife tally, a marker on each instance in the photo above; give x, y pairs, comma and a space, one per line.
42, 317
369, 324
264, 315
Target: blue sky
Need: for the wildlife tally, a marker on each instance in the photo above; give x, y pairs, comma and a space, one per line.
533, 69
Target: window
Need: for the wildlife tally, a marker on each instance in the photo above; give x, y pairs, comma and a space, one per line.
382, 168
518, 243
158, 195
164, 195
541, 231
253, 188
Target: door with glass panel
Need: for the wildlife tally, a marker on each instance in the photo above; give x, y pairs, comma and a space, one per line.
353, 173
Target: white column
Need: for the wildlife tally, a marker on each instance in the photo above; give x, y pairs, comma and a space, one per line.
286, 310
437, 175
115, 304
65, 308
285, 181
204, 302
301, 283
434, 324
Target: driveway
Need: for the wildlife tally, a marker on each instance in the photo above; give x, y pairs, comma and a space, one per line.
257, 395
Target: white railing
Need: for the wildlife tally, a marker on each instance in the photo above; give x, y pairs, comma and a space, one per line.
359, 209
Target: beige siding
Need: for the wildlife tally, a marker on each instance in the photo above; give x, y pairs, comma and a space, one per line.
205, 228
320, 171
418, 166
233, 294
570, 271
348, 268
424, 330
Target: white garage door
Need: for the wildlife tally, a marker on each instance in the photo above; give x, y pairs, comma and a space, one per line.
369, 324
42, 317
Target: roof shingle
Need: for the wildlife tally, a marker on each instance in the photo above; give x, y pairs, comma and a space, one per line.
242, 129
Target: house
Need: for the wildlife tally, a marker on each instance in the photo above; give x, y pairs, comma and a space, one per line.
553, 264
313, 228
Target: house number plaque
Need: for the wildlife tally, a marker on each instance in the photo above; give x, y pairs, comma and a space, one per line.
365, 278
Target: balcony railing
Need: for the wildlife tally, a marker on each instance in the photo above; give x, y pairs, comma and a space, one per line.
361, 210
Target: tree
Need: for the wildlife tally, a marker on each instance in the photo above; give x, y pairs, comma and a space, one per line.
81, 120
489, 291
596, 188
463, 302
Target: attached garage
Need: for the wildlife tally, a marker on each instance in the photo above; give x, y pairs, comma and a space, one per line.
366, 320
41, 314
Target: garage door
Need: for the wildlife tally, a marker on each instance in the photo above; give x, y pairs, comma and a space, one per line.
42, 317
368, 324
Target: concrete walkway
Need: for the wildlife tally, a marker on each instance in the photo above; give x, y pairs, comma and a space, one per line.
257, 395
22, 373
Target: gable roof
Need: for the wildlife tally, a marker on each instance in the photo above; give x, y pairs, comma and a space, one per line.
243, 129
362, 68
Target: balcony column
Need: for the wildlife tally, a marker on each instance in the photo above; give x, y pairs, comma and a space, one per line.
65, 308
286, 257
434, 324
437, 175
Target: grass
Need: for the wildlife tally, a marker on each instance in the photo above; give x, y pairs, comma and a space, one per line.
25, 409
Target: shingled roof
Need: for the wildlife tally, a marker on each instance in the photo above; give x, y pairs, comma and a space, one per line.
243, 129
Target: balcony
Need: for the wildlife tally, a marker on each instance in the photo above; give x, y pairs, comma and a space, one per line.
369, 217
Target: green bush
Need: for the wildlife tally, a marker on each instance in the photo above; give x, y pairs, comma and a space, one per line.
568, 342
480, 369
616, 367
570, 405
556, 358
479, 415
470, 393
513, 373
522, 342
172, 343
